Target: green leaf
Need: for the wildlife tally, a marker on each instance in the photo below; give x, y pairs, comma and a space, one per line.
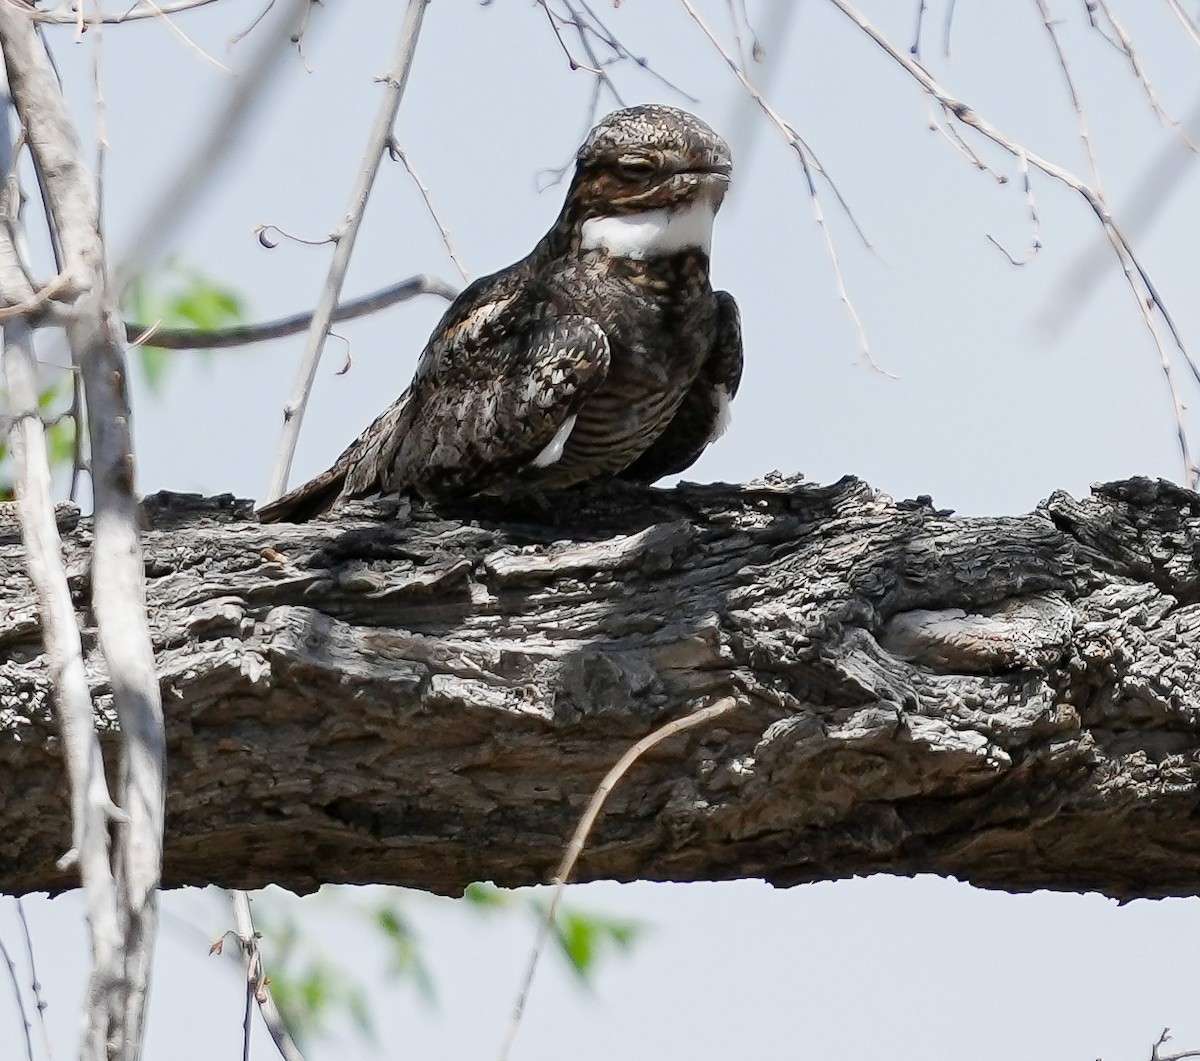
485, 896
582, 938
180, 296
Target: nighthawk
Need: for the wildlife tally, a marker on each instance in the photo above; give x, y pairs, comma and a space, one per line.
603, 354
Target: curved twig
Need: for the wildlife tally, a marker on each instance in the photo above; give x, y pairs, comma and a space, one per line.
582, 831
381, 133
245, 334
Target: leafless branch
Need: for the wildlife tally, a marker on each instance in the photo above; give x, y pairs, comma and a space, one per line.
947, 26
16, 986
1035, 224
92, 807
244, 334
398, 153
29, 307
73, 15
256, 983
1123, 43
1145, 288
381, 133
35, 985
1162, 1041
184, 38
808, 163
915, 49
1069, 81
595, 805
1186, 21
192, 177
124, 949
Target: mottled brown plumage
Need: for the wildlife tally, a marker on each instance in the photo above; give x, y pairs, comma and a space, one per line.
604, 353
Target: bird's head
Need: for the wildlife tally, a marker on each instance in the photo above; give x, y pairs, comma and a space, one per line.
648, 182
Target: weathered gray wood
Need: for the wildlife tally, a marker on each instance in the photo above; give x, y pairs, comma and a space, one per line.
428, 698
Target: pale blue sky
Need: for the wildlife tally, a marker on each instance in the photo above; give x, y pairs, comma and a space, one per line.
988, 415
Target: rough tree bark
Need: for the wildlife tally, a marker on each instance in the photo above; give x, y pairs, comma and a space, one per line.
428, 697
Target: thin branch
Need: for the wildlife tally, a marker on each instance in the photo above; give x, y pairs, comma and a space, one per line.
595, 805
16, 986
244, 334
1035, 223
35, 985
381, 133
620, 52
75, 17
184, 38
29, 307
915, 49
1124, 44
1094, 199
947, 26
256, 983
193, 175
398, 153
1080, 118
118, 578
808, 161
92, 808
1185, 20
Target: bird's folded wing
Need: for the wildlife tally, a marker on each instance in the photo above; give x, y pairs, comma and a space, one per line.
483, 411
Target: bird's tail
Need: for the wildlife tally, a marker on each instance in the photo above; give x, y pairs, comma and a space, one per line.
306, 501
361, 470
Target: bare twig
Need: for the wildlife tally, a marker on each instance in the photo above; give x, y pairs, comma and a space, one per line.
193, 176
61, 283
118, 590
1035, 224
244, 334
16, 986
1155, 185
595, 805
915, 49
76, 17
1162, 1041
91, 806
399, 154
1124, 44
1080, 118
947, 26
1185, 20
35, 985
1145, 288
256, 983
381, 133
599, 29
808, 162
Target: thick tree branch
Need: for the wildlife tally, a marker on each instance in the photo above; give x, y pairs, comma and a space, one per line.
117, 585
430, 698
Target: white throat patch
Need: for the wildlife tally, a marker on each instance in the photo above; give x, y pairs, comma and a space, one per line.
652, 233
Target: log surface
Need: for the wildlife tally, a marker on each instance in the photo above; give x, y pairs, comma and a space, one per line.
429, 698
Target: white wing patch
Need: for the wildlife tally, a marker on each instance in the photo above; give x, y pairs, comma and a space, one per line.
652, 233
724, 412
554, 448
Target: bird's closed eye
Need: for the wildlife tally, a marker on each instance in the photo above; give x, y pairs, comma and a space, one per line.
637, 167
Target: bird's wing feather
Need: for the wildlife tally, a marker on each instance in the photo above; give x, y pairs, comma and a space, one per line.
704, 411
490, 395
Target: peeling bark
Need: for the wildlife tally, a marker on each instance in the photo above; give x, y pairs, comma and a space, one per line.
428, 697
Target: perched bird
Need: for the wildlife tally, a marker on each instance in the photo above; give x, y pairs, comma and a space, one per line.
603, 354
